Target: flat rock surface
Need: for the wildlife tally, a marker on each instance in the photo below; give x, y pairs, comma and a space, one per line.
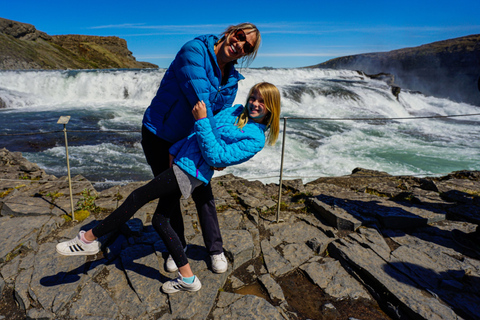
396, 258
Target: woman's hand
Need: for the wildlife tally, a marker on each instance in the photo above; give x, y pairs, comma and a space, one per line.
199, 111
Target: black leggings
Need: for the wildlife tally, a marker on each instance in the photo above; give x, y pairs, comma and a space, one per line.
165, 186
156, 152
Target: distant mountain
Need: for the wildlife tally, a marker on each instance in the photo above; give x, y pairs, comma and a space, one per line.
22, 46
447, 69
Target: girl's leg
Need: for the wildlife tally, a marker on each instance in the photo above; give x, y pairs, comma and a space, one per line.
163, 185
186, 280
161, 221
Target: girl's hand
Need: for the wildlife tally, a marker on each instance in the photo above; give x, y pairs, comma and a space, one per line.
170, 160
199, 111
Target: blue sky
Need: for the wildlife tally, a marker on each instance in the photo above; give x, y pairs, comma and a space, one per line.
295, 33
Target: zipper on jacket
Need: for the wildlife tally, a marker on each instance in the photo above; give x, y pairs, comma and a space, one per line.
216, 95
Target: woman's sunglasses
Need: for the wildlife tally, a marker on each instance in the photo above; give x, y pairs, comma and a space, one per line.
241, 36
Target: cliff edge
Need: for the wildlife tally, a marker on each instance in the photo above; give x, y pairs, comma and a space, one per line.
22, 46
446, 69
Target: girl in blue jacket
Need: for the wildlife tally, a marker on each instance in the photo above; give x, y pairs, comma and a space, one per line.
203, 70
231, 137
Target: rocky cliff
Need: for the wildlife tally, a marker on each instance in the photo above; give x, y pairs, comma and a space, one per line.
448, 69
22, 46
368, 245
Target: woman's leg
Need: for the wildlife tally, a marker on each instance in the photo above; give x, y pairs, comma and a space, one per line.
161, 223
156, 152
207, 213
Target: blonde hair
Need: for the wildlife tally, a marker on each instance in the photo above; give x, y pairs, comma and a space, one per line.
271, 98
247, 59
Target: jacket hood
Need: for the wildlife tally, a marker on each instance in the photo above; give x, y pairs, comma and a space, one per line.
209, 40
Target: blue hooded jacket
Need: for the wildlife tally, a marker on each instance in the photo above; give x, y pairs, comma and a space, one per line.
194, 75
218, 142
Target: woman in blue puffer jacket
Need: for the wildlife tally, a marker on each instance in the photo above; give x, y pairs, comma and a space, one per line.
203, 70
231, 137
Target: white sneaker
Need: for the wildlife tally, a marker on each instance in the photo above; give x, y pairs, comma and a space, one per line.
170, 265
219, 263
178, 284
76, 247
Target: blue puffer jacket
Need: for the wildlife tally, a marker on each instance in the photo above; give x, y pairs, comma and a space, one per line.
194, 75
218, 142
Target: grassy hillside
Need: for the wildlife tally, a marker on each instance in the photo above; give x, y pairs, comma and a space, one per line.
23, 47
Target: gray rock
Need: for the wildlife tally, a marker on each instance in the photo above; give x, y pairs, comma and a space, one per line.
433, 270
296, 253
238, 246
22, 205
187, 305
226, 298
40, 314
230, 219
249, 201
252, 214
276, 264
273, 288
2, 285
250, 307
120, 291
25, 230
255, 233
337, 216
319, 245
50, 226
409, 299
312, 220
293, 232
375, 241
420, 273
334, 280
94, 301
10, 270
142, 268
56, 278
296, 185
236, 283
166, 316
22, 284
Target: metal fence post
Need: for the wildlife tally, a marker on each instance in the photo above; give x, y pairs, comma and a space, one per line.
64, 120
281, 170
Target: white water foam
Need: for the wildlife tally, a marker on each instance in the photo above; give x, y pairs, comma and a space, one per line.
116, 100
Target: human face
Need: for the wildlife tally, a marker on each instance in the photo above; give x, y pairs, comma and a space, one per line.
235, 45
242, 37
257, 110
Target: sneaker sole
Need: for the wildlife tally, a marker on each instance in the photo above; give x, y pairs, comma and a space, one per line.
173, 290
170, 270
77, 253
220, 270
